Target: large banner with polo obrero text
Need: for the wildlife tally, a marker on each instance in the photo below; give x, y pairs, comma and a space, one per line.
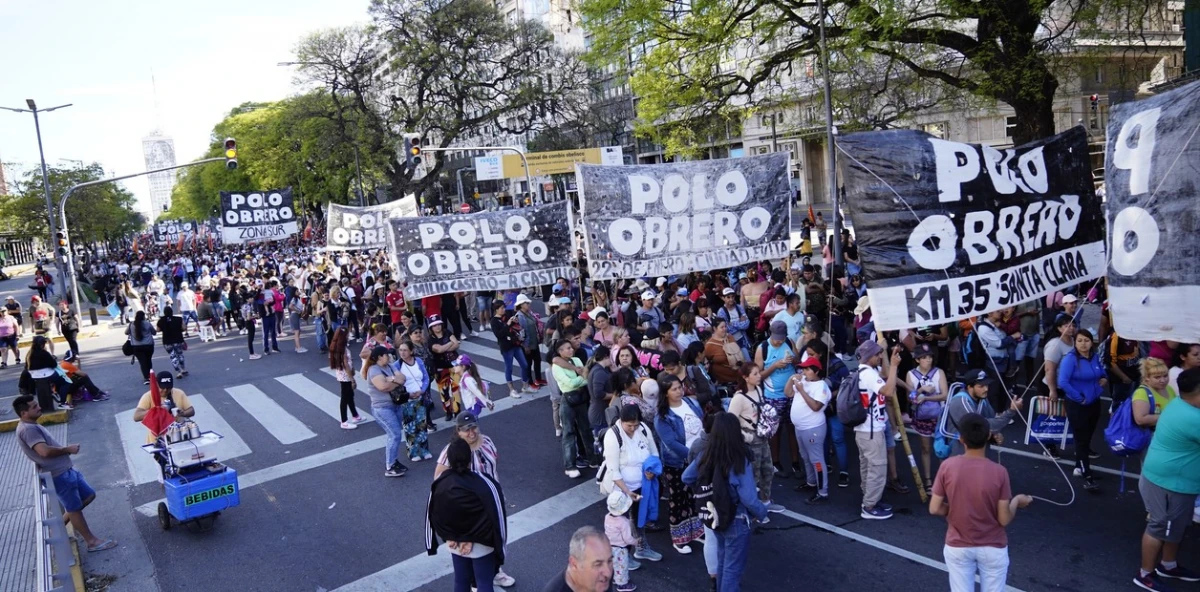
486, 251
349, 227
947, 230
671, 219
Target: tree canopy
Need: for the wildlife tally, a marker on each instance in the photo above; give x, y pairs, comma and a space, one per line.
694, 60
94, 214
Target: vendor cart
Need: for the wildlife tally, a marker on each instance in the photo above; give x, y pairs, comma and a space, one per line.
198, 487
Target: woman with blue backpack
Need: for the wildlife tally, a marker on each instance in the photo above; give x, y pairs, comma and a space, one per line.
1082, 378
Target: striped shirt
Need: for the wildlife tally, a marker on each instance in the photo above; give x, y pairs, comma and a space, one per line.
483, 461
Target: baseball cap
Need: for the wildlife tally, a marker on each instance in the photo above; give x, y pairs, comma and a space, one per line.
595, 312
922, 350
11, 297
867, 350
165, 380
1069, 298
557, 288
660, 281
466, 420
778, 330
727, 292
681, 292
648, 295
975, 377
564, 300
743, 275
461, 360
435, 320
811, 362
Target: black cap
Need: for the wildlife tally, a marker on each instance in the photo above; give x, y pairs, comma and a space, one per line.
922, 350
466, 419
974, 377
165, 380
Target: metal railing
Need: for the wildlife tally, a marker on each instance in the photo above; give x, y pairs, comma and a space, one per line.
54, 556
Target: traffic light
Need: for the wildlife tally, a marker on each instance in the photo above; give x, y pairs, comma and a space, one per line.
60, 240
230, 153
1095, 101
412, 149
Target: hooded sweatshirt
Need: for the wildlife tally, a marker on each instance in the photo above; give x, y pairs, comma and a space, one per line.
466, 507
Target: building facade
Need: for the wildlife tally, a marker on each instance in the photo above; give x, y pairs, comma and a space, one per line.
159, 151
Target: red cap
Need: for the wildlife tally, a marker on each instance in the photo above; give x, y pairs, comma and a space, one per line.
811, 362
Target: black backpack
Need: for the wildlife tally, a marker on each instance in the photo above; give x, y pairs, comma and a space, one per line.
599, 445
714, 500
973, 353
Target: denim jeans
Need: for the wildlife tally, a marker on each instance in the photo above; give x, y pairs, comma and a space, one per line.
519, 354
576, 433
189, 314
731, 554
319, 323
388, 416
483, 568
711, 550
964, 562
269, 334
836, 434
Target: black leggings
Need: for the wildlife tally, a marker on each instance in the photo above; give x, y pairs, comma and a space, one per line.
70, 336
347, 401
143, 353
250, 335
534, 357
1084, 419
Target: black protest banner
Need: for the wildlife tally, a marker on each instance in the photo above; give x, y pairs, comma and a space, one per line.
668, 219
1152, 180
256, 216
168, 232
349, 227
947, 231
484, 251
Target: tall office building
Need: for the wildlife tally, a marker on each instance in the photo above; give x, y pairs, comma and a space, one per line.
3, 181
159, 151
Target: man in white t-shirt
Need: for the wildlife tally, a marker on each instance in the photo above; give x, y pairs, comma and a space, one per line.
870, 435
187, 306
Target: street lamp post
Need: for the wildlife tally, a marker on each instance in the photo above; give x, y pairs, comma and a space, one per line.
37, 126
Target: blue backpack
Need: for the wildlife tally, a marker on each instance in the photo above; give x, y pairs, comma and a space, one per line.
1123, 435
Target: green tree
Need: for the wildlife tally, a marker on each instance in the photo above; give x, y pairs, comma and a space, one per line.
695, 61
94, 214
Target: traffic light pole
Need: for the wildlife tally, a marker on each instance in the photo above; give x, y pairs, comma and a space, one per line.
62, 213
528, 179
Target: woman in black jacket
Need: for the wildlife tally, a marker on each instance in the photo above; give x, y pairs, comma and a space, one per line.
42, 366
466, 509
171, 328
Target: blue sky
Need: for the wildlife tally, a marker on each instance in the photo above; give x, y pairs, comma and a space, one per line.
206, 57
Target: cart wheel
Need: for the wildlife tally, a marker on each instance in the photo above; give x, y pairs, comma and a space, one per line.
164, 517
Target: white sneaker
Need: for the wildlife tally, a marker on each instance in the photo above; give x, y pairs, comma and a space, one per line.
302, 351
1078, 472
255, 356
572, 473
476, 334
347, 425
503, 580
557, 432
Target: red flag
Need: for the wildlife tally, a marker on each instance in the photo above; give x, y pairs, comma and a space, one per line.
308, 231
180, 245
135, 245
811, 216
210, 242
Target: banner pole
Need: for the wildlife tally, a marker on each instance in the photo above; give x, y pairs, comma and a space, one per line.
895, 405
831, 153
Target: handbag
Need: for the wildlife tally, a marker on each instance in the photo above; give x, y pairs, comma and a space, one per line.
399, 395
127, 348
578, 396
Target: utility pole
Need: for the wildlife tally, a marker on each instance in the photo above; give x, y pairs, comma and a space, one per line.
831, 154
37, 126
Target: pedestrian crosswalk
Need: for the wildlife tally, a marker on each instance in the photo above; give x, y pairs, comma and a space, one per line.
274, 408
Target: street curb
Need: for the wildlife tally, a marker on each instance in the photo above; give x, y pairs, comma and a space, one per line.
77, 567
54, 417
59, 338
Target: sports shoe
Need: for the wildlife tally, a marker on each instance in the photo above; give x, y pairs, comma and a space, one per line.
626, 587
396, 470
503, 580
66, 406
775, 508
843, 479
683, 549
252, 357
557, 431
1150, 581
474, 333
898, 487
817, 499
887, 507
427, 456
876, 513
1179, 573
1078, 472
1093, 455
645, 552
1090, 484
415, 458
805, 487
302, 350
572, 473
346, 425
634, 564
358, 419
581, 463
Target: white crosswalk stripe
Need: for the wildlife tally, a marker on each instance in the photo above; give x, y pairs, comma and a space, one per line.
271, 415
487, 351
319, 396
143, 468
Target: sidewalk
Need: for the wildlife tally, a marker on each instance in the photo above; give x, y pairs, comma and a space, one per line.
18, 537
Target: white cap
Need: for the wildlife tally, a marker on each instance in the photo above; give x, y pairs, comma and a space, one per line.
660, 281
592, 314
1069, 298
522, 299
727, 292
649, 295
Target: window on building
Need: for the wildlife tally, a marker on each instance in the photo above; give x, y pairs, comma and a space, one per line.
1098, 75
1010, 126
940, 130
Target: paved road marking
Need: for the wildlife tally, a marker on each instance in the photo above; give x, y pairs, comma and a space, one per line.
422, 569
490, 352
143, 469
281, 424
319, 396
1003, 450
882, 546
292, 467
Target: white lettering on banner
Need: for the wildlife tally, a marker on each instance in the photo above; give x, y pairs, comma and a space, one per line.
702, 230
988, 236
266, 209
370, 236
902, 306
503, 281
958, 163
1135, 233
685, 262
